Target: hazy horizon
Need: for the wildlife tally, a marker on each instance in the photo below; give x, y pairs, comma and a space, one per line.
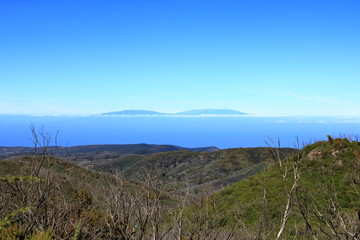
203, 131
174, 114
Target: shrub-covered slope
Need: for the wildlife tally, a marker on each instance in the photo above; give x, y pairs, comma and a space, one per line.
196, 170
42, 197
315, 194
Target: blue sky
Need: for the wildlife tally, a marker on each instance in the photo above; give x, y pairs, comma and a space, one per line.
261, 57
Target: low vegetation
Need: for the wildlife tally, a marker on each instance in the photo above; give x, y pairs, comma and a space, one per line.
180, 170
312, 194
315, 194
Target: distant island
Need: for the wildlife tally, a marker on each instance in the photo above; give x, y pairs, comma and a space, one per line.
197, 112
211, 112
134, 112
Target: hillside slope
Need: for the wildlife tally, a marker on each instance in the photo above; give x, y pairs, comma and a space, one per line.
178, 170
42, 197
313, 195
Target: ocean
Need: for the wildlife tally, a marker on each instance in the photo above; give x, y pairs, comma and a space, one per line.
196, 131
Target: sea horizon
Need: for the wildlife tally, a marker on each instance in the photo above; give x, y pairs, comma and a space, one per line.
185, 131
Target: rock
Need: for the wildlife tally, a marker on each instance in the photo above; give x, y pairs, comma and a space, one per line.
314, 154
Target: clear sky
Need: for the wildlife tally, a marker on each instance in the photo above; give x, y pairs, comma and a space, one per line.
257, 56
